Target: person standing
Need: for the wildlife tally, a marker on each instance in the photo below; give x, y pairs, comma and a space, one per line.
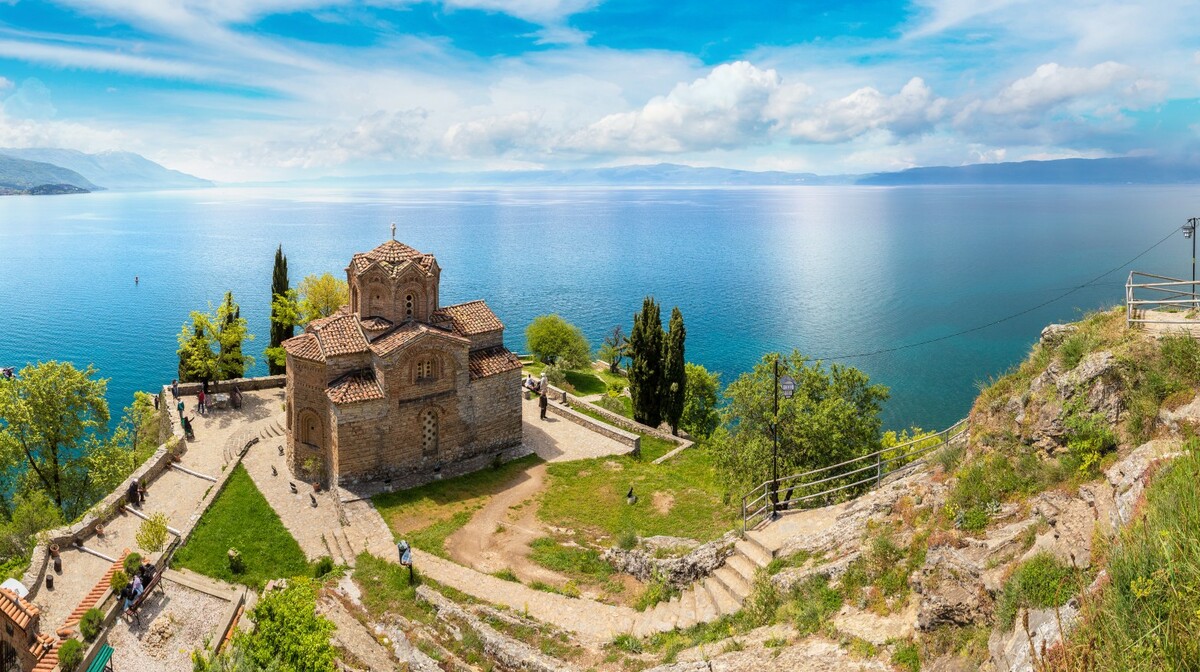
175, 388
543, 402
179, 407
405, 552
201, 398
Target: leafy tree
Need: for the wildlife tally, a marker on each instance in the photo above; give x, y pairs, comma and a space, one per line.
211, 349
285, 315
674, 372
281, 329
703, 392
614, 349
553, 340
833, 416
33, 511
152, 533
50, 417
289, 631
321, 296
646, 374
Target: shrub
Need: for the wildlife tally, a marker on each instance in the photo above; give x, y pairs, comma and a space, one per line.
132, 563
152, 533
554, 340
1038, 583
1074, 347
627, 643
656, 591
811, 603
627, 539
907, 657
91, 624
70, 654
119, 580
237, 564
323, 567
611, 403
555, 376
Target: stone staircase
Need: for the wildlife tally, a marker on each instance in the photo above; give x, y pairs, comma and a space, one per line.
718, 595
273, 429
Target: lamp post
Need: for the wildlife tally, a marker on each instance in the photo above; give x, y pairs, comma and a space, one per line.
1189, 231
788, 385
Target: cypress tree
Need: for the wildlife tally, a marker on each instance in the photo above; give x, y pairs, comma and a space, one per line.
645, 367
674, 372
279, 287
233, 364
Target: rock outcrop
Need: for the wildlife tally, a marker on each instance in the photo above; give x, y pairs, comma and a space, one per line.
679, 572
950, 589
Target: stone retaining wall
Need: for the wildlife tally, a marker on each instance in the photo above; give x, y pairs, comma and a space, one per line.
619, 435
243, 384
621, 421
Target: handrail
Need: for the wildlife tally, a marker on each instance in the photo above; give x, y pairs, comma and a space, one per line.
764, 500
1167, 293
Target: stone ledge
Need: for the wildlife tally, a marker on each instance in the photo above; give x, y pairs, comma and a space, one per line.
621, 436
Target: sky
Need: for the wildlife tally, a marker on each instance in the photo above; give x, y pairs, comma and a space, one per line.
243, 90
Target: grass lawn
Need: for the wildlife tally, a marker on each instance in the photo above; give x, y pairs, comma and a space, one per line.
241, 518
425, 516
585, 381
681, 497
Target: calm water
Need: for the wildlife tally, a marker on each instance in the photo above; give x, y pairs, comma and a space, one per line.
827, 270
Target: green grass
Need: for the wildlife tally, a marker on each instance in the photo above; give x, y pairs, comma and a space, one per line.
586, 382
426, 515
241, 518
1146, 616
1038, 583
574, 561
589, 496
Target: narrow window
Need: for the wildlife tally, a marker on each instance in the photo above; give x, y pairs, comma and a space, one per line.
429, 433
425, 369
408, 305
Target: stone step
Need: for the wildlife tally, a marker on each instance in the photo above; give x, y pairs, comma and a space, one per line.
744, 566
686, 610
706, 608
726, 603
754, 550
733, 582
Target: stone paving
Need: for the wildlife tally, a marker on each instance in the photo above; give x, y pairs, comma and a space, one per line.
175, 493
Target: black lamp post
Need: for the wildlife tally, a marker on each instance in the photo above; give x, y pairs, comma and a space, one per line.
788, 385
1189, 231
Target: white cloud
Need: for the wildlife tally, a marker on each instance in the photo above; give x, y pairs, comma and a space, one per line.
494, 136
5, 83
913, 110
1052, 84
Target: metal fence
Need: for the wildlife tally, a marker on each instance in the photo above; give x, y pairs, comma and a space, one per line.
1146, 292
846, 480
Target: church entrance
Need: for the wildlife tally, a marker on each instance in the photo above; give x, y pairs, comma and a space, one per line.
8, 658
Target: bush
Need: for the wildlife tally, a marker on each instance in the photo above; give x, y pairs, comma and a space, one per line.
152, 533
611, 403
555, 376
1038, 583
237, 564
656, 591
132, 563
907, 657
554, 340
70, 654
119, 580
1075, 347
323, 566
91, 624
627, 539
811, 603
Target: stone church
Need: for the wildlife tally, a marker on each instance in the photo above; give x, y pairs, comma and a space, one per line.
395, 383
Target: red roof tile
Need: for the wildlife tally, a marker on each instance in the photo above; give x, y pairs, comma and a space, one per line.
490, 361
341, 336
304, 346
391, 255
473, 317
354, 386
19, 610
403, 333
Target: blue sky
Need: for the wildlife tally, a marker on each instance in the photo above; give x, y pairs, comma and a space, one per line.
275, 89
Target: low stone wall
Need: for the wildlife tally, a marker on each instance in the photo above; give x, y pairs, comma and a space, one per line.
560, 395
619, 435
243, 384
104, 511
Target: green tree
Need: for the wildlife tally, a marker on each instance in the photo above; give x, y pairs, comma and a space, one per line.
614, 349
51, 415
197, 361
211, 347
553, 340
152, 533
674, 372
702, 394
285, 314
33, 511
833, 416
289, 632
232, 332
646, 374
281, 329
321, 296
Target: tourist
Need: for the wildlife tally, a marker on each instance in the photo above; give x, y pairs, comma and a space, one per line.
544, 385
187, 428
134, 494
200, 399
137, 586
175, 388
405, 558
543, 402
179, 407
530, 384
146, 571
126, 596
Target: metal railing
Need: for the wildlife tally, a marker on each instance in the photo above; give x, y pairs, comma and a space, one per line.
1146, 292
852, 477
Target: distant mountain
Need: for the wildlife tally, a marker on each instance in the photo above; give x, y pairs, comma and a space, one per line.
1134, 170
20, 175
112, 170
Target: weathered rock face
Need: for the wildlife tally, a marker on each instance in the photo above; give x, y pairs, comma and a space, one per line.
1054, 334
1095, 377
1128, 477
1019, 649
679, 572
951, 590
1072, 521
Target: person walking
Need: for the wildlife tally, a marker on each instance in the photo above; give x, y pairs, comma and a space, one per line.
543, 402
179, 407
175, 388
201, 398
405, 552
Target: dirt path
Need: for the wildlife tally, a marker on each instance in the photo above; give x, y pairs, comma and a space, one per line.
498, 535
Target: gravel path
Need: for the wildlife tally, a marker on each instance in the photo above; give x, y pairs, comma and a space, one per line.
172, 627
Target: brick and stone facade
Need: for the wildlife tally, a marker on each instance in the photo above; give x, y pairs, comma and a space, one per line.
395, 383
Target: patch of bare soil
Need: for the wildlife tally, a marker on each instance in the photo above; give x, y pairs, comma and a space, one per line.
499, 534
663, 501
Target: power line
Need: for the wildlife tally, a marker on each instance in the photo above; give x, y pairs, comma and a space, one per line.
1006, 318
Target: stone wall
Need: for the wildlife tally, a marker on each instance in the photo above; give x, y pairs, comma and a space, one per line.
630, 439
619, 420
243, 384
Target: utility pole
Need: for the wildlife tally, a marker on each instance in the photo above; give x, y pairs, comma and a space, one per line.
1189, 231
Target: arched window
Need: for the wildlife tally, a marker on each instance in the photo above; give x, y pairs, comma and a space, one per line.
429, 433
311, 431
426, 369
409, 302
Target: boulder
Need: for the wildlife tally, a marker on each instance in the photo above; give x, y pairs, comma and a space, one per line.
679, 572
1175, 419
951, 590
1092, 366
1022, 648
1072, 521
1054, 334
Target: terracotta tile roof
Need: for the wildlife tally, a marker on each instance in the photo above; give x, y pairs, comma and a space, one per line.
304, 346
376, 323
341, 336
391, 255
322, 321
490, 361
19, 610
354, 386
92, 598
402, 334
473, 317
48, 659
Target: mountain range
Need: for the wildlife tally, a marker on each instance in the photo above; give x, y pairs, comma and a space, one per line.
32, 167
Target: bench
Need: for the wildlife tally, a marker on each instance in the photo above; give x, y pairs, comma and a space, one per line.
135, 607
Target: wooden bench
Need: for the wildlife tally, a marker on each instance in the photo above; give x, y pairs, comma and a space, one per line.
135, 608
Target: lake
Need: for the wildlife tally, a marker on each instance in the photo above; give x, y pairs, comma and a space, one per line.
828, 270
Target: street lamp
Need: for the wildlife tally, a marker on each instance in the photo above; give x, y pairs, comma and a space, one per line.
788, 385
1189, 231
